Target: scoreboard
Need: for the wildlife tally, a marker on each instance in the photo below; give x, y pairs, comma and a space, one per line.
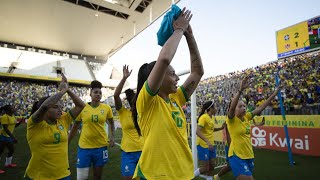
299, 38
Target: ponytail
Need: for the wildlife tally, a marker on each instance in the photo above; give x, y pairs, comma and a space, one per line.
143, 75
129, 95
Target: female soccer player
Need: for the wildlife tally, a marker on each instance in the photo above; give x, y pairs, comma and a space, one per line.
47, 135
205, 140
238, 123
227, 168
9, 122
131, 142
166, 153
93, 140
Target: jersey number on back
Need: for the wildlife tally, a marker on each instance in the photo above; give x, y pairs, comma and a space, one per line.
178, 120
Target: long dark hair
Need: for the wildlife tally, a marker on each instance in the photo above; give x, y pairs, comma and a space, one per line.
143, 75
130, 95
206, 106
36, 105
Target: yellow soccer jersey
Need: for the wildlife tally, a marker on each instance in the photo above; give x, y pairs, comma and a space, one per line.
207, 124
93, 133
166, 153
131, 141
10, 121
240, 137
49, 149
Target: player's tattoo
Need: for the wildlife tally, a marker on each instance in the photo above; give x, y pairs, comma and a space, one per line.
196, 63
190, 87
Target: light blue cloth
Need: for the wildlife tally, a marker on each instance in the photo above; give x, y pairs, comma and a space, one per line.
166, 28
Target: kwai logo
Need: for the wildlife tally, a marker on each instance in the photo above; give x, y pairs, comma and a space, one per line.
259, 137
297, 143
263, 137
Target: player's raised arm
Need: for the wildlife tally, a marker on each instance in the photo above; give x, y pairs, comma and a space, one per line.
117, 92
197, 71
38, 112
168, 51
79, 104
266, 103
244, 84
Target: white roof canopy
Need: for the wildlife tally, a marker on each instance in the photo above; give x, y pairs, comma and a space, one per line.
93, 27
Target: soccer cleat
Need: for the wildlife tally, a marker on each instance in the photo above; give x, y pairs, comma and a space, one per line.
11, 165
2, 171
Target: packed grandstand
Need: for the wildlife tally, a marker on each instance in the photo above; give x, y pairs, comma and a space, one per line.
300, 75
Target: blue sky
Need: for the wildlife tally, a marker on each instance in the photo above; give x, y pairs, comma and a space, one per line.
231, 35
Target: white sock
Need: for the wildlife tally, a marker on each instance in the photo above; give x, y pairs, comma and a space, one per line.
197, 172
8, 160
217, 176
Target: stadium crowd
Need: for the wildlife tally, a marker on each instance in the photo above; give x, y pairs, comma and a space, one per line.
22, 94
300, 76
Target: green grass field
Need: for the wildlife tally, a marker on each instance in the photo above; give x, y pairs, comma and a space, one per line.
268, 164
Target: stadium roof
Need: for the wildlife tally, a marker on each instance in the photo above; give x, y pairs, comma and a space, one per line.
37, 37
96, 28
